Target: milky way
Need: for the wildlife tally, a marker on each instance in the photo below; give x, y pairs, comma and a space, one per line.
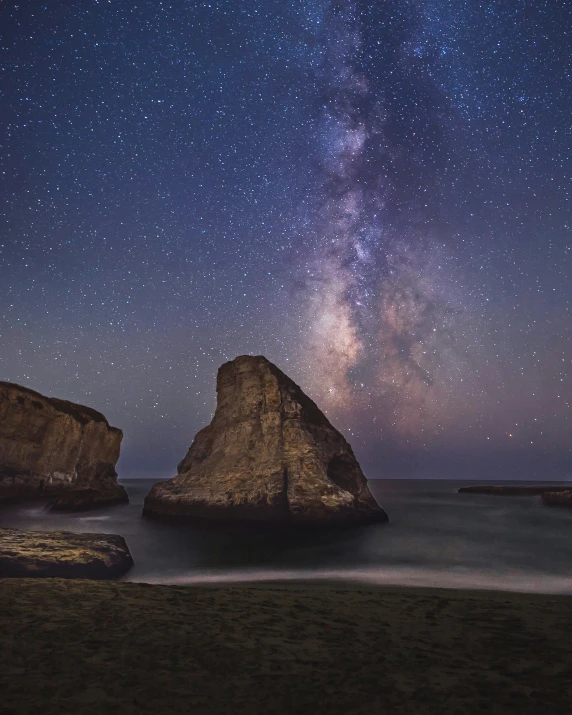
383, 316
376, 196
401, 343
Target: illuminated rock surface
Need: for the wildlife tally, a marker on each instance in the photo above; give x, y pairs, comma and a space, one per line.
62, 554
269, 456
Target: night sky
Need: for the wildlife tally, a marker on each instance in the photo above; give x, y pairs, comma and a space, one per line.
374, 195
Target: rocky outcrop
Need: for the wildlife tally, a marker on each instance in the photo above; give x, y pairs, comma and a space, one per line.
269, 457
85, 499
62, 554
51, 447
516, 490
560, 498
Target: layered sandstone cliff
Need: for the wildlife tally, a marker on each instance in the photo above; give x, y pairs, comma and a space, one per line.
269, 455
53, 448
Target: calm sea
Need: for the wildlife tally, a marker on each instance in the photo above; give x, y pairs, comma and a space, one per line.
436, 537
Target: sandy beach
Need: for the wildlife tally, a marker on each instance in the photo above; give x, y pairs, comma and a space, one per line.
104, 647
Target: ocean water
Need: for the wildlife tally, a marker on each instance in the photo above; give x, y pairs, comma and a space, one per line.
436, 537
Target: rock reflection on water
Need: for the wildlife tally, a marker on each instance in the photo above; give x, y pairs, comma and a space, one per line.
247, 548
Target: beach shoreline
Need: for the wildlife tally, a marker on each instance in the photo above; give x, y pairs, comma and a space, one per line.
371, 578
76, 646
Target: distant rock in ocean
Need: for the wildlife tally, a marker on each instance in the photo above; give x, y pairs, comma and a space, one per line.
62, 554
53, 448
85, 499
269, 456
560, 498
512, 490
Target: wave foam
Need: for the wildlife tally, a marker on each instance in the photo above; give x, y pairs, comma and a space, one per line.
515, 581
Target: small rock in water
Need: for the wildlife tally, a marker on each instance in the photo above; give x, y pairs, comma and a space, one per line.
511, 490
84, 499
558, 498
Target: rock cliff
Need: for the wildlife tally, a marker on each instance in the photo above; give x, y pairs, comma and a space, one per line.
51, 447
269, 456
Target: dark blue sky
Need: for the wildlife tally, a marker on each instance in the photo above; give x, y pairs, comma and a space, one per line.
376, 196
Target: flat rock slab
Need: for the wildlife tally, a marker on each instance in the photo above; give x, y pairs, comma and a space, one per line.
62, 554
502, 490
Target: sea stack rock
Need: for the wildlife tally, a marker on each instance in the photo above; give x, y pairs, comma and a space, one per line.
54, 448
269, 456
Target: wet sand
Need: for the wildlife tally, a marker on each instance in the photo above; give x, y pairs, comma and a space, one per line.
104, 647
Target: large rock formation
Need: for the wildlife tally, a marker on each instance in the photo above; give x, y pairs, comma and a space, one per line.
51, 447
269, 455
62, 554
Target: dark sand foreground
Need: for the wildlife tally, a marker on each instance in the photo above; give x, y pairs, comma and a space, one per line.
102, 647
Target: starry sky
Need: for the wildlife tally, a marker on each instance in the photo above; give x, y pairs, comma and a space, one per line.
376, 196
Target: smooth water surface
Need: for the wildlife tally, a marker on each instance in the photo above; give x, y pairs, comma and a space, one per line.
436, 537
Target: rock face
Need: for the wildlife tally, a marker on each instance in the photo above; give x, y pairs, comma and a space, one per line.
62, 554
517, 490
269, 456
560, 498
51, 447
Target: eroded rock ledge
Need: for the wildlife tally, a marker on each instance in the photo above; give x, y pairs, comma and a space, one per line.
62, 554
51, 447
269, 457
